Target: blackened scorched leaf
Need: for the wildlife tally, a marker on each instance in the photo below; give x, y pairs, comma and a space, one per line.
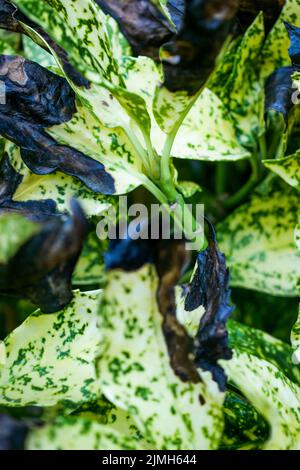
294, 50
35, 99
210, 288
278, 92
249, 9
169, 261
42, 268
189, 58
168, 258
11, 19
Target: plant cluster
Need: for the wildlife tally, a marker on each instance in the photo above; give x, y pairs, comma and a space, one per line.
139, 344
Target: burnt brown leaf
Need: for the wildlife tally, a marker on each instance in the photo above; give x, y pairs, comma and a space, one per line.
168, 258
35, 99
210, 288
278, 92
249, 9
42, 268
11, 19
169, 261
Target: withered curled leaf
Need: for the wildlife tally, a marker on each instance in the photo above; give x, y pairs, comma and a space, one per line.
169, 261
278, 92
189, 50
42, 268
294, 50
11, 19
210, 288
168, 258
249, 9
35, 99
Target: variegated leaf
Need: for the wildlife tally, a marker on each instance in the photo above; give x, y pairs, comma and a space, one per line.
264, 347
135, 373
208, 133
80, 28
258, 240
50, 358
56, 186
87, 433
242, 92
288, 168
295, 334
275, 50
275, 397
90, 267
108, 99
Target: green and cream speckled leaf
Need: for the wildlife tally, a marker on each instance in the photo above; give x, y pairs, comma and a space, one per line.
264, 346
275, 50
50, 358
109, 146
274, 396
90, 268
80, 28
87, 433
57, 186
109, 100
245, 428
258, 240
170, 108
15, 230
208, 133
288, 168
242, 92
135, 373
295, 334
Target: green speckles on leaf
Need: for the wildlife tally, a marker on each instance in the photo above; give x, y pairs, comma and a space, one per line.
275, 50
50, 358
135, 372
288, 168
208, 133
274, 396
258, 240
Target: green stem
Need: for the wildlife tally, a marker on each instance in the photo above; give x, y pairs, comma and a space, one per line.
220, 181
262, 147
152, 158
144, 157
240, 195
166, 177
189, 220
